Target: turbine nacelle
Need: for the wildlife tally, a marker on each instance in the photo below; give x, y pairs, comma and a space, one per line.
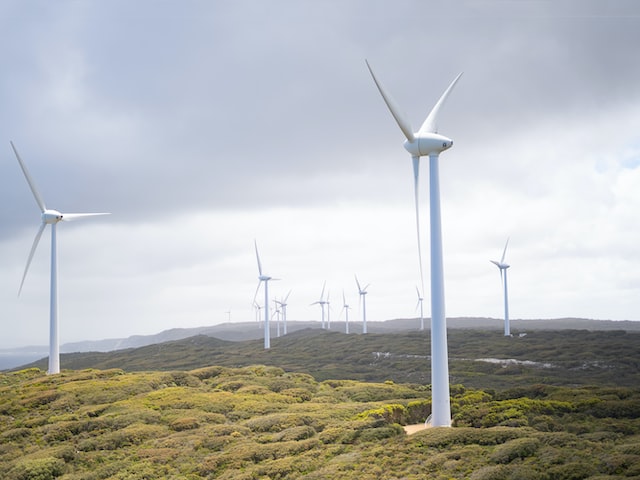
427, 143
500, 265
51, 216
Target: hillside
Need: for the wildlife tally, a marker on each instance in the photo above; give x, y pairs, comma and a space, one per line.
479, 359
264, 423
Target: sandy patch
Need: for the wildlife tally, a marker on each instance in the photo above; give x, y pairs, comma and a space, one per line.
410, 429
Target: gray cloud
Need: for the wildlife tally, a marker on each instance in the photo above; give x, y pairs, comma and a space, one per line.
163, 112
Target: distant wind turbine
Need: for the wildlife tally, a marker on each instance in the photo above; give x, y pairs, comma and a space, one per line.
328, 310
345, 309
427, 142
362, 292
322, 302
257, 307
49, 217
263, 278
283, 308
276, 313
419, 304
503, 276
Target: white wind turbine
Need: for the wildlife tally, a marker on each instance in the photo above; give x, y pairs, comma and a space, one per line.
283, 308
503, 276
322, 302
345, 309
328, 310
362, 292
427, 142
419, 304
49, 217
262, 278
276, 313
257, 307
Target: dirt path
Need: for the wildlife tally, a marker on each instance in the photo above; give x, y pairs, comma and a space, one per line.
410, 429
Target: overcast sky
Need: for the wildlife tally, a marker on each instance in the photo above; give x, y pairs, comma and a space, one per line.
203, 125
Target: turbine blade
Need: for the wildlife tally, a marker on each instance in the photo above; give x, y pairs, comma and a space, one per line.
504, 252
286, 298
430, 125
416, 174
33, 250
322, 293
358, 283
255, 295
68, 217
32, 184
400, 118
258, 258
344, 300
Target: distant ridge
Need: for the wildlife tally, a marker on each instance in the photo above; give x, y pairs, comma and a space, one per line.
238, 332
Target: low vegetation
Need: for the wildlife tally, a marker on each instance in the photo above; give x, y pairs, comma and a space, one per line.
478, 359
264, 422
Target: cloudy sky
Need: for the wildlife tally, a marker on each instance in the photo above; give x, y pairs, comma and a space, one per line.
203, 125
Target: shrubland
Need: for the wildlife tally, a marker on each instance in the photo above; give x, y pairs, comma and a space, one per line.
265, 422
477, 358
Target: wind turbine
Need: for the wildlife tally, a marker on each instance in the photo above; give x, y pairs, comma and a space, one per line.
345, 309
419, 304
263, 278
427, 142
49, 217
276, 313
362, 292
322, 302
328, 311
257, 307
503, 276
283, 309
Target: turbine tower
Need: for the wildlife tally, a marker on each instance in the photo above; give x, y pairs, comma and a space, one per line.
263, 278
345, 309
49, 217
419, 304
276, 313
328, 304
257, 308
283, 309
362, 292
503, 276
427, 142
322, 302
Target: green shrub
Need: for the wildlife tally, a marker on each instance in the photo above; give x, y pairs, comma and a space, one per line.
295, 433
393, 413
514, 449
39, 399
277, 422
380, 433
571, 471
184, 423
46, 468
444, 437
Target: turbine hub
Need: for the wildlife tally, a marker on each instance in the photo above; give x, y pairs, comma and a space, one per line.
51, 216
427, 143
